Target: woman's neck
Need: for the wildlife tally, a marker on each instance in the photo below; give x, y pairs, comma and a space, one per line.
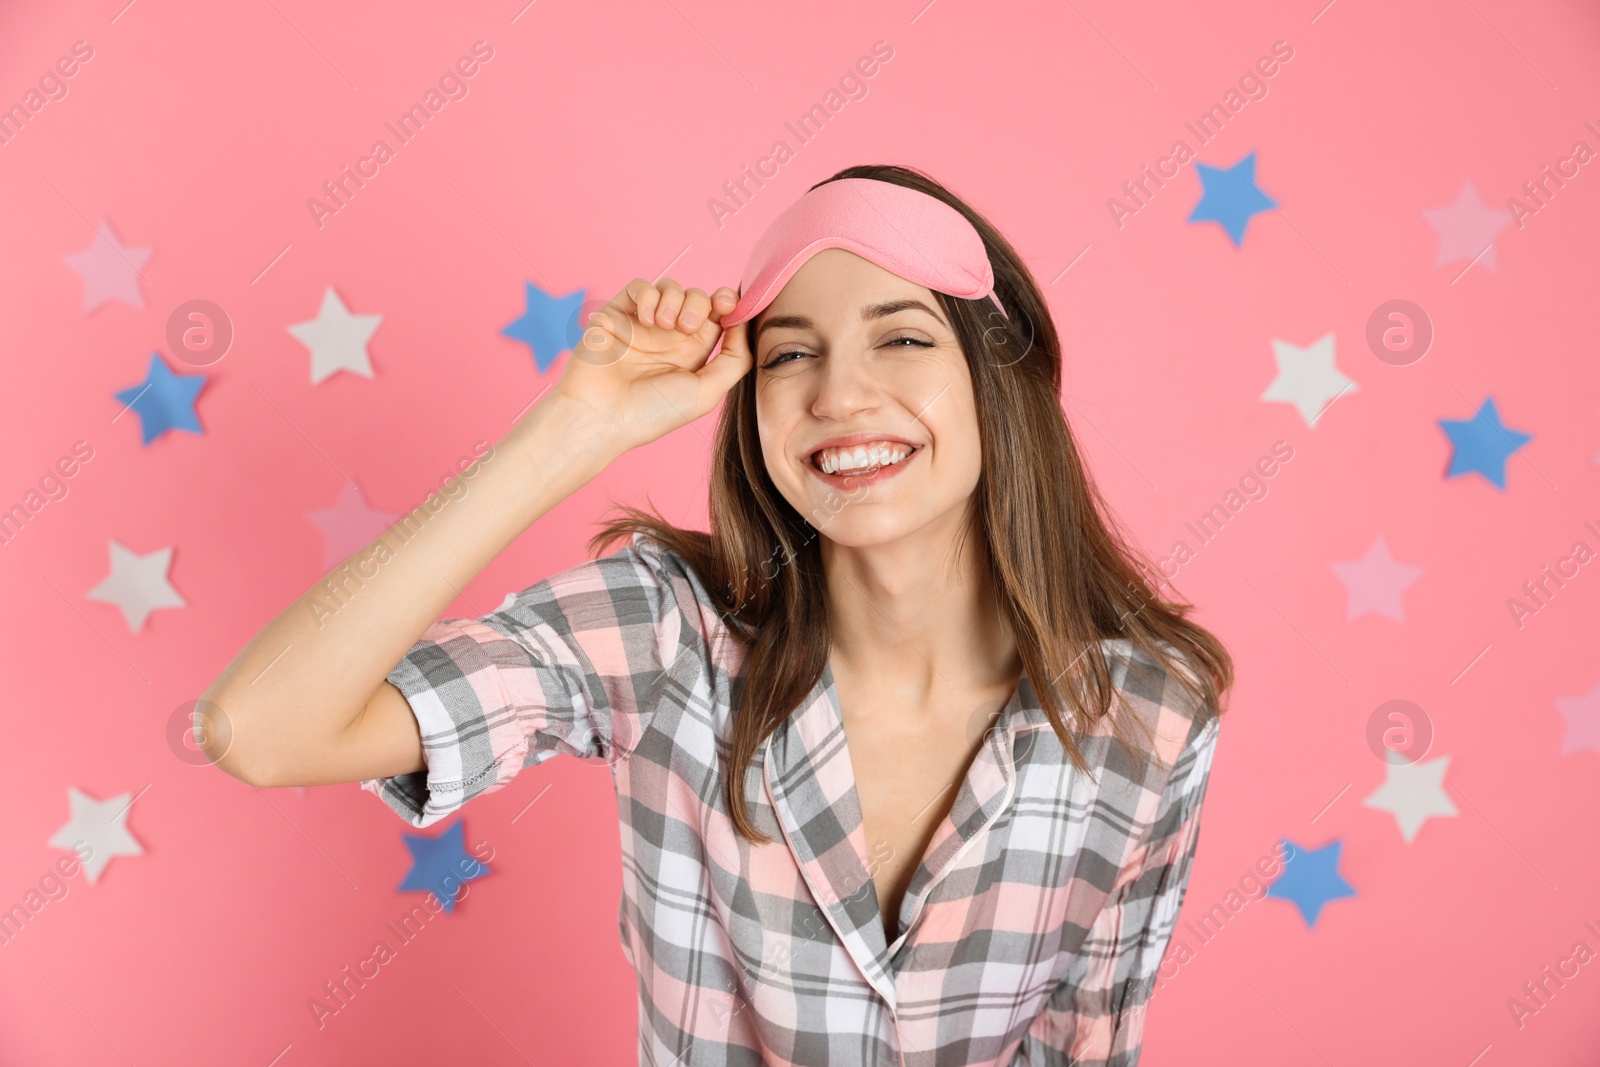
918, 616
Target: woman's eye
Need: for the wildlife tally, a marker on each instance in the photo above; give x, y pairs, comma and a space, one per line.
785, 357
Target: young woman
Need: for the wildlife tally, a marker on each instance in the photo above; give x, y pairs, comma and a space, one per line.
909, 752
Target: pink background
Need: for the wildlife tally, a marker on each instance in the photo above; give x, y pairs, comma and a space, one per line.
586, 154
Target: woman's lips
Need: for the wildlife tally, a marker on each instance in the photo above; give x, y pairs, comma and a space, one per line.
857, 481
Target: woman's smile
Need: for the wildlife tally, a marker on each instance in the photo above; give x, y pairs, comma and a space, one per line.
861, 459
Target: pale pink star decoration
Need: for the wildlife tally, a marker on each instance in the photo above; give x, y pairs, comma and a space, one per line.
110, 270
1583, 721
1467, 228
350, 524
1375, 582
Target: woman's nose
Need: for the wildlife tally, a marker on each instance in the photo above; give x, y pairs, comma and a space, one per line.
844, 388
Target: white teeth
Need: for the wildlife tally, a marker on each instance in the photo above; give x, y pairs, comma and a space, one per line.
862, 457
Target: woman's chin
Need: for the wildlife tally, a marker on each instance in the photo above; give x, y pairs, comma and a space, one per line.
868, 531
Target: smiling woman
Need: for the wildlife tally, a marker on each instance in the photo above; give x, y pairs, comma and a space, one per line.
823, 861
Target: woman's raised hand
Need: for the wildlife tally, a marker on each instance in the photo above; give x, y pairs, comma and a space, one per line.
327, 713
641, 366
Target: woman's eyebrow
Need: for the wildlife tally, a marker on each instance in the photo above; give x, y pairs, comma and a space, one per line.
868, 313
890, 307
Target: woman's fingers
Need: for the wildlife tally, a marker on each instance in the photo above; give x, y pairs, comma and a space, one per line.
732, 362
671, 302
644, 297
667, 305
709, 324
696, 308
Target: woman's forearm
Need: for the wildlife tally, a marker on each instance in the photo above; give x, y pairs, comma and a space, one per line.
297, 687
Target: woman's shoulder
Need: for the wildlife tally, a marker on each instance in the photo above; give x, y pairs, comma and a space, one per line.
640, 583
706, 635
665, 565
1138, 668
1165, 691
646, 561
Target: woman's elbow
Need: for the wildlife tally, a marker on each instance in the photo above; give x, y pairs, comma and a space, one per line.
218, 734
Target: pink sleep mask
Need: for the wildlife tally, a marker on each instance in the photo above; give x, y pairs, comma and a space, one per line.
919, 237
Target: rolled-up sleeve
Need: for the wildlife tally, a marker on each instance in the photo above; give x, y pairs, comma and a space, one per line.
1095, 1017
567, 666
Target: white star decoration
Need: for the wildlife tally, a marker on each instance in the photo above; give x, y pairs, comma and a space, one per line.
138, 584
1307, 377
102, 826
337, 339
1412, 792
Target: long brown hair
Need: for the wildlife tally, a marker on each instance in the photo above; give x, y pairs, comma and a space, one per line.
1063, 570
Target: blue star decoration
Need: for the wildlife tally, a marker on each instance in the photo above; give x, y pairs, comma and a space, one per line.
164, 400
1482, 443
549, 324
1230, 196
1311, 879
440, 865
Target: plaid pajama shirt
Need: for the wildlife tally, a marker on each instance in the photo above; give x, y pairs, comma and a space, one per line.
1033, 927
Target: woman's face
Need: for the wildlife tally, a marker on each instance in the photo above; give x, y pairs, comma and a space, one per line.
849, 353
